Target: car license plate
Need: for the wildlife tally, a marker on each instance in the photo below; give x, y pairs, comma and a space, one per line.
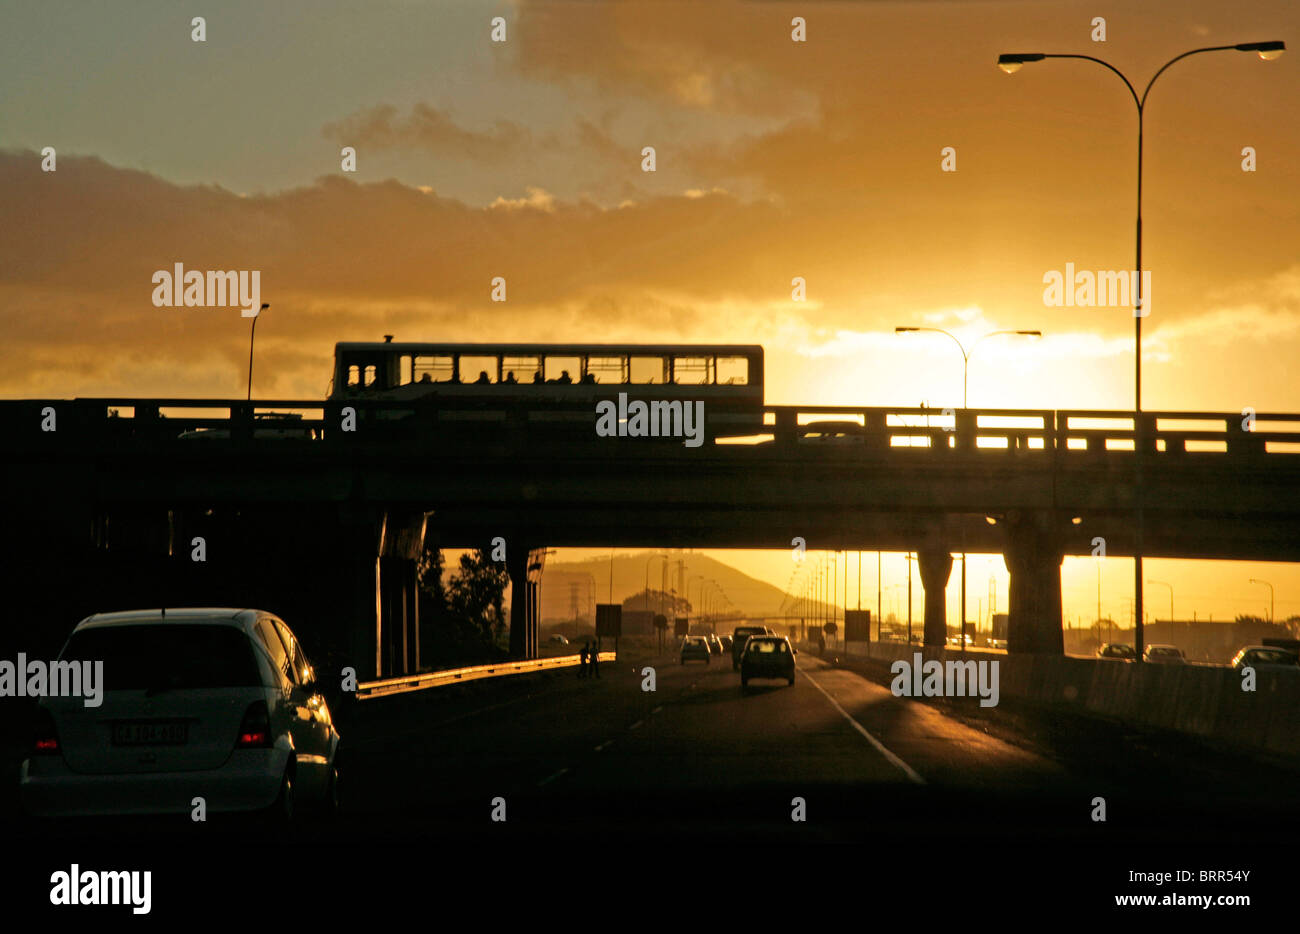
150, 733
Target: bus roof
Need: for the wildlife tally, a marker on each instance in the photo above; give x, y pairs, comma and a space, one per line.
594, 350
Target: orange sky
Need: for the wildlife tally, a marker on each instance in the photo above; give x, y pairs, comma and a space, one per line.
775, 159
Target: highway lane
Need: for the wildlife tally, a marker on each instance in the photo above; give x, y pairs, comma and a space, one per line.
589, 767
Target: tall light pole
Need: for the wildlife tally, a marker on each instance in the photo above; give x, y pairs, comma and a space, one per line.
252, 333
1270, 596
1171, 596
1013, 62
965, 370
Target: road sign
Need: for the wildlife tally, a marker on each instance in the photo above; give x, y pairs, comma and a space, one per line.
609, 620
857, 625
661, 621
681, 626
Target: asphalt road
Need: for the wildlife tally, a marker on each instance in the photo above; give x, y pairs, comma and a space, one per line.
922, 792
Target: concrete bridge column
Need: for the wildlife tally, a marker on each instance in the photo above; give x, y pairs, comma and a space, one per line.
1033, 557
517, 559
524, 565
935, 566
400, 547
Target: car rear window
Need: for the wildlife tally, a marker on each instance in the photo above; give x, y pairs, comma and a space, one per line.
764, 645
167, 656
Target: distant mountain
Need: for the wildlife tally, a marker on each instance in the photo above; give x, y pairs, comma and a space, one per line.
566, 584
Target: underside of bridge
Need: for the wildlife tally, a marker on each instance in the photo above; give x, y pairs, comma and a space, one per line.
346, 578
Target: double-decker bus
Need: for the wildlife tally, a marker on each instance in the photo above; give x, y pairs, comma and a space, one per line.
727, 378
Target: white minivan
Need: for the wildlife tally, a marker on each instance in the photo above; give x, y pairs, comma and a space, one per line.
218, 704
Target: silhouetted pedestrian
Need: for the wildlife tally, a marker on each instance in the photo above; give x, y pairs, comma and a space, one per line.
595, 660
582, 661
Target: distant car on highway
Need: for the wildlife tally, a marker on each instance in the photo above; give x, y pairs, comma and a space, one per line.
557, 639
1267, 658
218, 703
715, 644
997, 643
767, 657
726, 645
1118, 651
738, 637
274, 426
831, 432
695, 647
1164, 655
957, 640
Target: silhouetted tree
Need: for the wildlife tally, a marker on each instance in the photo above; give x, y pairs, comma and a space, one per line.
477, 594
461, 618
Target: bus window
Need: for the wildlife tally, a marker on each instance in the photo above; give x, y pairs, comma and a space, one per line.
732, 371
477, 369
605, 370
354, 375
405, 377
369, 376
563, 369
692, 371
520, 369
647, 370
436, 369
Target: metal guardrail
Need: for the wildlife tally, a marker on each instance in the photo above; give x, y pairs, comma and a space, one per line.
880, 427
368, 690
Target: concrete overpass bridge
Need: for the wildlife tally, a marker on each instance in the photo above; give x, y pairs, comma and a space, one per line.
323, 514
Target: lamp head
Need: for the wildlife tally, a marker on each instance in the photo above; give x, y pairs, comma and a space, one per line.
1268, 51
1011, 62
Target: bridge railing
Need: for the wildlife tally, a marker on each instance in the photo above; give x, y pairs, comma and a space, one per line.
1065, 432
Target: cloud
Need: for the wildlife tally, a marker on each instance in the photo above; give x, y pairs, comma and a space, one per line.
430, 129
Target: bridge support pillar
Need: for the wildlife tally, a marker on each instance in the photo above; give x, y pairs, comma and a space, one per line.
935, 566
1033, 558
524, 565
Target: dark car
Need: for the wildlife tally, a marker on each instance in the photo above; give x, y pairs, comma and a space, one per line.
696, 647
1119, 651
715, 644
726, 645
1164, 655
1266, 657
767, 657
738, 637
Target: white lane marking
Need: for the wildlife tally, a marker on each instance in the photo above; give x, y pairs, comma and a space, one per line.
551, 778
608, 742
880, 747
637, 725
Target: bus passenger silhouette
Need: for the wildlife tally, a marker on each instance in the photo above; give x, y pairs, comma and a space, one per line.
537, 377
564, 377
510, 377
482, 377
589, 378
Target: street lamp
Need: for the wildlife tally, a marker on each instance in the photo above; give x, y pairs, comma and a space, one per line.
965, 370
1270, 596
1171, 596
1011, 63
252, 332
965, 354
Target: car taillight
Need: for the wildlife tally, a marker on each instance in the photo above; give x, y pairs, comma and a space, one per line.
45, 739
255, 730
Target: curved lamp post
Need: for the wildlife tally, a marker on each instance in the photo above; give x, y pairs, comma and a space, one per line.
1013, 62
